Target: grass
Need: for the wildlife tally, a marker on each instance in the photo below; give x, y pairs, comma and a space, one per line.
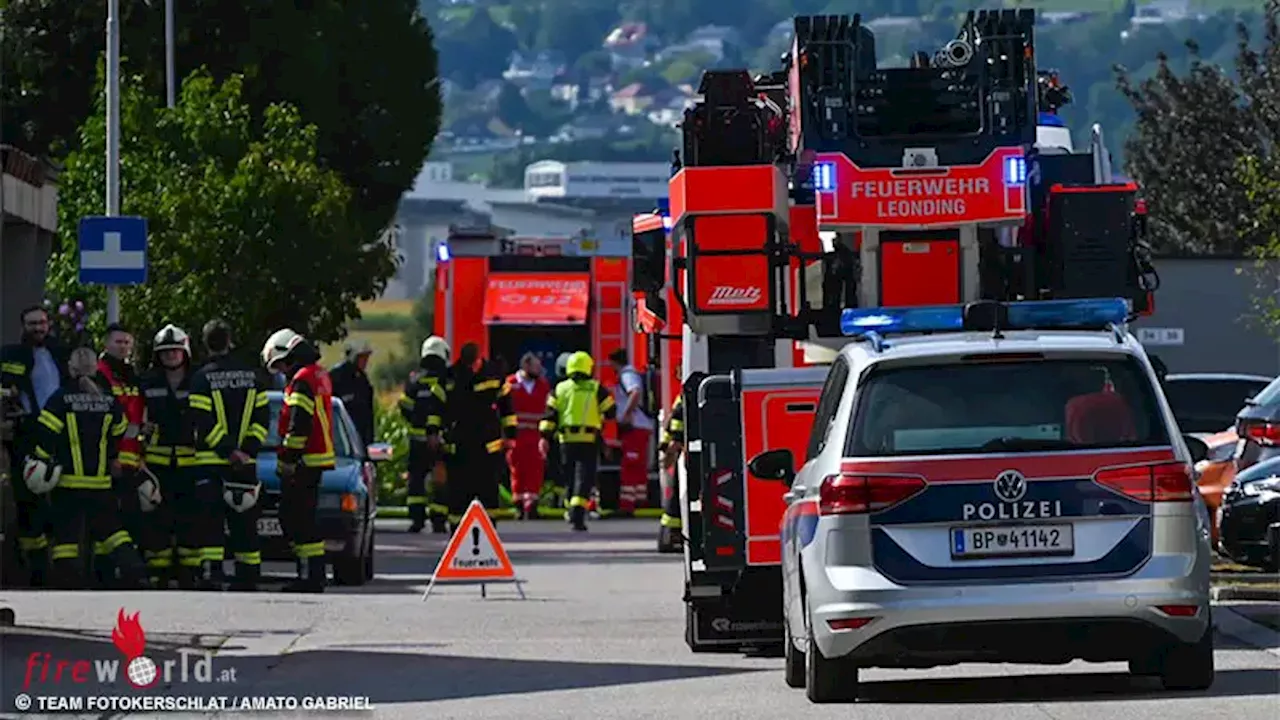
387, 307
385, 343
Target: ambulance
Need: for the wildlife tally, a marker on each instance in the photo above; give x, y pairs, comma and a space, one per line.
836, 183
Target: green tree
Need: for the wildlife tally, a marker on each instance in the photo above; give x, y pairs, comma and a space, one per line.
1191, 134
1260, 177
364, 73
244, 222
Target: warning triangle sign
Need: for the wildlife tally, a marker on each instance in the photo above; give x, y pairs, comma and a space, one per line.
474, 554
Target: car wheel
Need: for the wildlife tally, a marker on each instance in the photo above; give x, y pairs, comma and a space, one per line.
793, 667
1189, 666
348, 568
370, 545
828, 681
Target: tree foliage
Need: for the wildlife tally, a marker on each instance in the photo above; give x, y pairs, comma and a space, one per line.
1192, 133
1260, 177
244, 223
364, 73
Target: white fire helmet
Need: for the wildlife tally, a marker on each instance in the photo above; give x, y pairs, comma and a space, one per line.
148, 491
241, 496
435, 346
41, 476
278, 346
172, 337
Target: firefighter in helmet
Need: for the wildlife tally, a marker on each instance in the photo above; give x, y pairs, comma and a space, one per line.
481, 425
306, 450
576, 412
230, 409
72, 462
423, 406
186, 520
671, 445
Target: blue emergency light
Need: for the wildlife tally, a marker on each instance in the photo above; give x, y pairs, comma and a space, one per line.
1031, 315
1015, 171
824, 177
442, 252
1049, 120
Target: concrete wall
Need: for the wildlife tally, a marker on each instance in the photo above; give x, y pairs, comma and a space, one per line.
1209, 302
28, 221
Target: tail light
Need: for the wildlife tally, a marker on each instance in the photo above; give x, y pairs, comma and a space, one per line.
1263, 433
1166, 482
847, 494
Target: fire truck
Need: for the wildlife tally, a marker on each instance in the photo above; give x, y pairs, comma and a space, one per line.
835, 183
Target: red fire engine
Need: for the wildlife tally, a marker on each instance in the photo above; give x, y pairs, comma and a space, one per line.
836, 183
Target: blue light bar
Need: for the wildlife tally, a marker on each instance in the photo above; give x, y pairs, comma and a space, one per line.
824, 177
1015, 171
1049, 120
666, 222
1087, 313
442, 252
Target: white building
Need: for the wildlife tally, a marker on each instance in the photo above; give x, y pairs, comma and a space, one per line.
586, 180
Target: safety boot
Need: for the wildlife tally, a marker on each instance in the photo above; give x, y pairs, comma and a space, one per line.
311, 577
246, 578
104, 571
418, 518
578, 518
188, 577
212, 575
439, 525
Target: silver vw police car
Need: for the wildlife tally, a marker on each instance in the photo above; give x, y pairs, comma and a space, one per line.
993, 483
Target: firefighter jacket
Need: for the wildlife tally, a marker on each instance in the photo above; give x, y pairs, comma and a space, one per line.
423, 404
17, 362
673, 431
123, 381
480, 412
172, 442
306, 420
81, 432
230, 410
528, 405
577, 410
352, 385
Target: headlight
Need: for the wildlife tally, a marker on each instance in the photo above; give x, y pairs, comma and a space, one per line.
346, 502
1262, 487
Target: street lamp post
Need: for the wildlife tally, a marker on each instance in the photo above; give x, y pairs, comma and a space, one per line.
113, 135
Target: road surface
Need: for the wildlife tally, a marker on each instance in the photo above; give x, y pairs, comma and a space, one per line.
600, 636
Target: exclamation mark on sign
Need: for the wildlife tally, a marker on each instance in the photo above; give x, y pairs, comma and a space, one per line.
475, 541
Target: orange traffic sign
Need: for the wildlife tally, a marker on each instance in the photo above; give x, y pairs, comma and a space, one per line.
474, 554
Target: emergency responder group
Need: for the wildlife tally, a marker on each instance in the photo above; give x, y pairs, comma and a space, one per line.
155, 474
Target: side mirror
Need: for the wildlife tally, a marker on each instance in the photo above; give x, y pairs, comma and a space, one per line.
649, 259
773, 465
380, 452
1199, 448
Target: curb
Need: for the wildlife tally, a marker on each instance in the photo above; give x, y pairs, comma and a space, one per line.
1233, 624
1238, 578
1222, 593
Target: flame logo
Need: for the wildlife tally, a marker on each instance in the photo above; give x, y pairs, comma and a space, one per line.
128, 635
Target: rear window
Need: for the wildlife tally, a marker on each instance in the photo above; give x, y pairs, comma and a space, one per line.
1020, 406
1270, 395
1206, 406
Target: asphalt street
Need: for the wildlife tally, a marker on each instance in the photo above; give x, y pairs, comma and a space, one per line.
600, 636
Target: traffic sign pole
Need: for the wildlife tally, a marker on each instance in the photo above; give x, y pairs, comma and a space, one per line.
113, 135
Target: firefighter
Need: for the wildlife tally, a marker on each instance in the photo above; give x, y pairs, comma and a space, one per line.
306, 450
554, 469
170, 456
529, 391
481, 425
576, 411
30, 372
230, 410
116, 371
671, 446
351, 383
76, 453
423, 406
635, 428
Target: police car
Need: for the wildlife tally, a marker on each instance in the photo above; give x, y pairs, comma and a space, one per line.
997, 482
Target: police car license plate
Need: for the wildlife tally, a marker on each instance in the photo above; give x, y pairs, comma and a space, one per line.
269, 526
1011, 541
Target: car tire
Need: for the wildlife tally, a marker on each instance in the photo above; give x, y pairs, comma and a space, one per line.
1189, 666
370, 545
793, 664
828, 681
348, 568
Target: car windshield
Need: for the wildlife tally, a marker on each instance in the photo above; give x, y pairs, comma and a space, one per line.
1001, 407
1204, 405
341, 445
1270, 395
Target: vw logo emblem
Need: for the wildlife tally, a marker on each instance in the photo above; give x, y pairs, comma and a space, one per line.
1010, 486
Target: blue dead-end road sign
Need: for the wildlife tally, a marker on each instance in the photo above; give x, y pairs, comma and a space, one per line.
113, 250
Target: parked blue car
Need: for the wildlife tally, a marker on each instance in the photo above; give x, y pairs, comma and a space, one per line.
348, 498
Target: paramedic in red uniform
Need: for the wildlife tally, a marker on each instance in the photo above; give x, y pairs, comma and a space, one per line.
528, 390
117, 372
635, 427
